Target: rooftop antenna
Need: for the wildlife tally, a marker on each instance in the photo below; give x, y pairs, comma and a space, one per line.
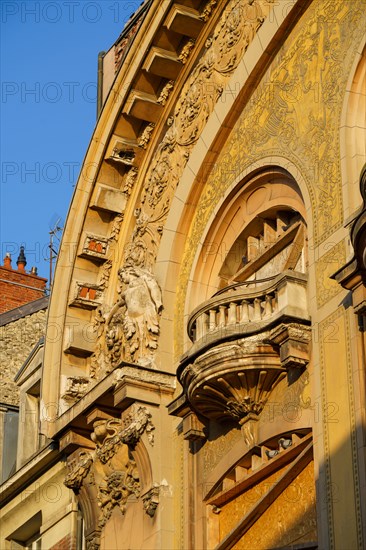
54, 234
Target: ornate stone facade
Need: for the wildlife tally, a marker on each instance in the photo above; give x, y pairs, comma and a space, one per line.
204, 350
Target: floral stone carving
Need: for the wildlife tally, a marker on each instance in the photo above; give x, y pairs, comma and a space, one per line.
108, 477
116, 488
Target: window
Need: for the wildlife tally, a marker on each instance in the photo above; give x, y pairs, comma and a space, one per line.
9, 416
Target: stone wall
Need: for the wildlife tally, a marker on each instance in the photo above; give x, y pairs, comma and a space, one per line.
17, 341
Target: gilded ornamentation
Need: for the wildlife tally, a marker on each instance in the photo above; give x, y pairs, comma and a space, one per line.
325, 267
283, 119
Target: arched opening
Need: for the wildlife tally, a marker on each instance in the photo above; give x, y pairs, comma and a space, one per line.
258, 232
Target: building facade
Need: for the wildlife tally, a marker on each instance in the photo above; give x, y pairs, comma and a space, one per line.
203, 379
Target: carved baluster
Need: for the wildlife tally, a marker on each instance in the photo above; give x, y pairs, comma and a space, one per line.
232, 314
268, 306
201, 326
257, 309
212, 319
244, 318
222, 316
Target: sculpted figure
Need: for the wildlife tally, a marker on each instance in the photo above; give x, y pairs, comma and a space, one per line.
141, 299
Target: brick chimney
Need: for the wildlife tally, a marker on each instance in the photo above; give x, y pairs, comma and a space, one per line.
17, 287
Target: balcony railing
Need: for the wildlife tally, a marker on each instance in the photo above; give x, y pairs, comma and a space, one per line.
248, 307
245, 340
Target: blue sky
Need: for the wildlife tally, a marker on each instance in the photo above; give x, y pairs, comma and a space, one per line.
49, 52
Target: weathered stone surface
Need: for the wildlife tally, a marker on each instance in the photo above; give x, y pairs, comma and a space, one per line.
17, 341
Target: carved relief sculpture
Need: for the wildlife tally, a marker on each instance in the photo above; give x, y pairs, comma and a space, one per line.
108, 477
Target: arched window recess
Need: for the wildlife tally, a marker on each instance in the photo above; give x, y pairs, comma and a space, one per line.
253, 331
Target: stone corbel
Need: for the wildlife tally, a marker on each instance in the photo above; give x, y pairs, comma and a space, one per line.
293, 343
193, 428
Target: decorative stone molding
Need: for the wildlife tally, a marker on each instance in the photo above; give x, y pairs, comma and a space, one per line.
76, 387
108, 435
146, 135
248, 308
95, 247
229, 382
186, 51
293, 341
246, 339
224, 50
165, 92
130, 329
151, 500
79, 469
207, 10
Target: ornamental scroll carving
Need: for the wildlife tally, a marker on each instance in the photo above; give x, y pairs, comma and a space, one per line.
108, 477
130, 329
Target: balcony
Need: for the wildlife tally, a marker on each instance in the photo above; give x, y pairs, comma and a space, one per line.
245, 340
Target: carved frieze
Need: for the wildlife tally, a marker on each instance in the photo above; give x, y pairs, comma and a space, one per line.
109, 435
231, 37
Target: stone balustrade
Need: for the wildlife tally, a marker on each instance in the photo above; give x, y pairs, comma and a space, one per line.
248, 307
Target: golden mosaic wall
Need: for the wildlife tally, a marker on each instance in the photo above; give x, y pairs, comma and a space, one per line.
294, 114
